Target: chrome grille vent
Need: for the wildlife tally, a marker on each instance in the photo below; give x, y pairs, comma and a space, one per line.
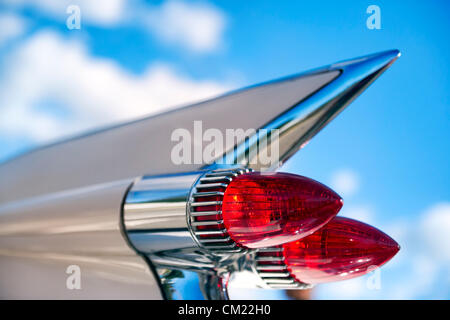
270, 266
205, 210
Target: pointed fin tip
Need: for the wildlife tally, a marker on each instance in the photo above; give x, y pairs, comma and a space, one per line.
372, 62
390, 56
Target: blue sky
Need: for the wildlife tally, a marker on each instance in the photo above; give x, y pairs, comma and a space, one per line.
388, 153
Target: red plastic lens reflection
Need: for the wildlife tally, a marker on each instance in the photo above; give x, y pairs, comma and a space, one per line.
261, 210
342, 249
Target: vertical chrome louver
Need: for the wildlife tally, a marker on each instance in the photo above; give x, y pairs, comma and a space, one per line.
270, 266
205, 210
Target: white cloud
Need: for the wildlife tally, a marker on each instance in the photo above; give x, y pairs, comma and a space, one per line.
345, 182
435, 230
92, 91
198, 27
11, 26
422, 276
98, 12
102, 12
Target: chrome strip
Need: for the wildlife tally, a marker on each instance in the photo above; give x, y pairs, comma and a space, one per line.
158, 203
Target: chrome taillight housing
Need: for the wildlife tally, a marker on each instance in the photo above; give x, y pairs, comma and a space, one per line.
236, 209
281, 226
342, 249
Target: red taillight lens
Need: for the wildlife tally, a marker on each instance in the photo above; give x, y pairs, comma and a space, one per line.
262, 210
342, 249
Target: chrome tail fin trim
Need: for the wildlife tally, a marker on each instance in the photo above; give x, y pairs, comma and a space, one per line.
296, 126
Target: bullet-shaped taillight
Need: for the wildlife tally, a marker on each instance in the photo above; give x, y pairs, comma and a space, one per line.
342, 249
254, 210
265, 210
